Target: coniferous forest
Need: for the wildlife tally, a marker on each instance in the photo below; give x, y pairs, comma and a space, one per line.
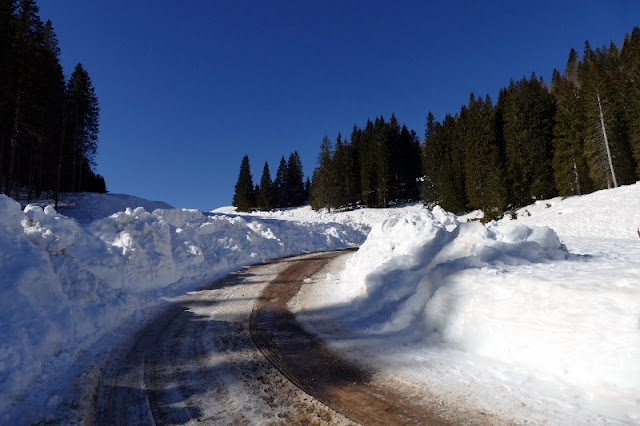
48, 126
578, 133
287, 190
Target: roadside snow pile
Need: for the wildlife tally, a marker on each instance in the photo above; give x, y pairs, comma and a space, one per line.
64, 285
85, 207
504, 311
362, 218
454, 288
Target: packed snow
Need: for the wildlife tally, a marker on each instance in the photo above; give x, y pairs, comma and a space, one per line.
534, 318
68, 283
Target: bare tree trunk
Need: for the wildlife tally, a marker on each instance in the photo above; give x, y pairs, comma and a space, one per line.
606, 143
577, 178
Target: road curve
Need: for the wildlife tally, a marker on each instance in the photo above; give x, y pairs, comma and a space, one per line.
307, 362
197, 363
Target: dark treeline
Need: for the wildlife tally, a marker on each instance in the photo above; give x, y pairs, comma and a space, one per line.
48, 126
378, 166
571, 136
578, 134
287, 190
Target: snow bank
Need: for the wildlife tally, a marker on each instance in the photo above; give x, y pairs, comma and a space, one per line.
363, 218
605, 214
85, 207
508, 293
66, 284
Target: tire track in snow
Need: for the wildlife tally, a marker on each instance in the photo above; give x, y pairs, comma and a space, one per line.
307, 362
195, 363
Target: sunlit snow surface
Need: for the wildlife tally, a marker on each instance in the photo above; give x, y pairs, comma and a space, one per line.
513, 317
535, 319
68, 283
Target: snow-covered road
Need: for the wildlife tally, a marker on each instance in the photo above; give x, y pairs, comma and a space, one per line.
196, 363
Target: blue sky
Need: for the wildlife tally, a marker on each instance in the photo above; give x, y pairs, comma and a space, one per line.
187, 88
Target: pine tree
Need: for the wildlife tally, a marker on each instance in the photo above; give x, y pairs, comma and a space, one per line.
307, 188
407, 167
7, 59
485, 185
630, 63
452, 187
27, 24
355, 147
386, 137
280, 185
606, 142
432, 156
44, 116
368, 175
244, 198
321, 195
41, 146
265, 193
339, 176
571, 172
294, 181
350, 174
83, 115
527, 128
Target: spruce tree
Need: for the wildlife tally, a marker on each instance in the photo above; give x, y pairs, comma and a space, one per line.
368, 166
244, 198
485, 186
630, 65
452, 187
294, 181
280, 185
408, 166
83, 115
386, 137
606, 143
527, 129
571, 172
265, 193
48, 127
321, 192
339, 178
307, 188
26, 25
432, 156
348, 180
630, 62
45, 117
7, 92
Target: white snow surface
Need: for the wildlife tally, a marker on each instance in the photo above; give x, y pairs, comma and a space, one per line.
535, 319
68, 283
